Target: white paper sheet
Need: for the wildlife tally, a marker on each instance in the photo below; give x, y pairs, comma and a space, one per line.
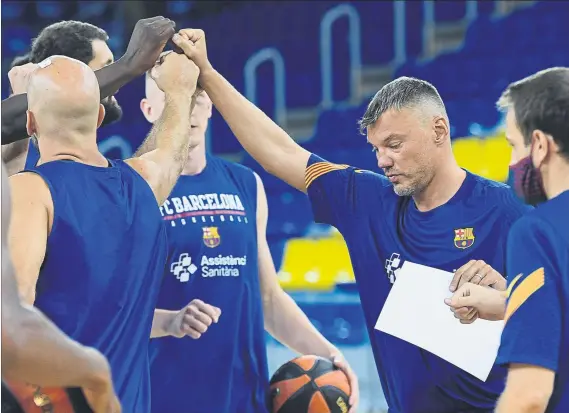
415, 312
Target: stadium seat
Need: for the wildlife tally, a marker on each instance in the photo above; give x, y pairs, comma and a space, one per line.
469, 153
315, 264
52, 10
496, 153
16, 40
12, 10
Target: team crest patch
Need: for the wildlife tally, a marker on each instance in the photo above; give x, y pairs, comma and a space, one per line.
211, 237
464, 238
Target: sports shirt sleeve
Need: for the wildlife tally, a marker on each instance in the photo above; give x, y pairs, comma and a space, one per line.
331, 189
532, 331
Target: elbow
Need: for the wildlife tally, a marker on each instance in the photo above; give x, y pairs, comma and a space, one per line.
18, 330
12, 340
535, 401
528, 401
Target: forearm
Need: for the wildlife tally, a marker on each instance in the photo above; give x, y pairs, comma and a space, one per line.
161, 323
159, 132
111, 78
262, 138
34, 350
493, 307
171, 133
14, 118
286, 322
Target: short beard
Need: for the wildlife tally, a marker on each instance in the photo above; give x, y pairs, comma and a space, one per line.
404, 191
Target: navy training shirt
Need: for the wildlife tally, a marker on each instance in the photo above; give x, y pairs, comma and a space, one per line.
383, 230
537, 327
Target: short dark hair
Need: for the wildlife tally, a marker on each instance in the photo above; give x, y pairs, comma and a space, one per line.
400, 93
67, 38
20, 60
541, 102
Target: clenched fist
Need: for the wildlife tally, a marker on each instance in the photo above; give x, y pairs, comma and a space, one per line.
192, 43
147, 42
175, 73
194, 319
19, 77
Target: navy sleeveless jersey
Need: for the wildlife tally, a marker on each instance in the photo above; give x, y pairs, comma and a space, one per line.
33, 156
212, 231
537, 327
103, 267
383, 230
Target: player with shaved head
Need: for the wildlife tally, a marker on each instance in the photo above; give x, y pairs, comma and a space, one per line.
87, 240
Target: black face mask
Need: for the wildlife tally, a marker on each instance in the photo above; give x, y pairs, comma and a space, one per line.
527, 182
113, 111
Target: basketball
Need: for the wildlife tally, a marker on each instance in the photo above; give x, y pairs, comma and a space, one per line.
309, 384
25, 398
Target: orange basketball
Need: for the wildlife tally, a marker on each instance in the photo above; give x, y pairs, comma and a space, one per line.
26, 398
309, 384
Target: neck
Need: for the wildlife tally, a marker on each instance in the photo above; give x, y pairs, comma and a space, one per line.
558, 182
81, 149
196, 160
443, 186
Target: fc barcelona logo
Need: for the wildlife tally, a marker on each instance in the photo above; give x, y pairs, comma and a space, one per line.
464, 238
211, 237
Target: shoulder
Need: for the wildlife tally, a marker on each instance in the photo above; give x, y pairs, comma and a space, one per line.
501, 198
534, 224
232, 167
235, 171
145, 167
531, 236
318, 167
30, 188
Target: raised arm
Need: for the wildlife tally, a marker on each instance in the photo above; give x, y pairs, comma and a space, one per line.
271, 146
176, 76
147, 42
34, 350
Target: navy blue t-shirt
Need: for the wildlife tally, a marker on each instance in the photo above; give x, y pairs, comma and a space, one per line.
212, 230
537, 323
103, 267
383, 230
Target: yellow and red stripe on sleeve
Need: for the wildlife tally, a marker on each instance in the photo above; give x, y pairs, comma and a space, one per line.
318, 169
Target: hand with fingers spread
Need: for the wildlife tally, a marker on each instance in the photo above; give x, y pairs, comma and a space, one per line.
192, 43
340, 362
472, 301
19, 77
175, 74
478, 272
194, 319
147, 42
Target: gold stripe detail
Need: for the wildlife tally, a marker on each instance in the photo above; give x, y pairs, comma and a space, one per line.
318, 169
525, 290
512, 284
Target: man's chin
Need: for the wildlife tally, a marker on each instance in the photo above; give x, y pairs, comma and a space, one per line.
403, 190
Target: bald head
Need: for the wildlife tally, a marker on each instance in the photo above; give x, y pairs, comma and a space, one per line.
63, 99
